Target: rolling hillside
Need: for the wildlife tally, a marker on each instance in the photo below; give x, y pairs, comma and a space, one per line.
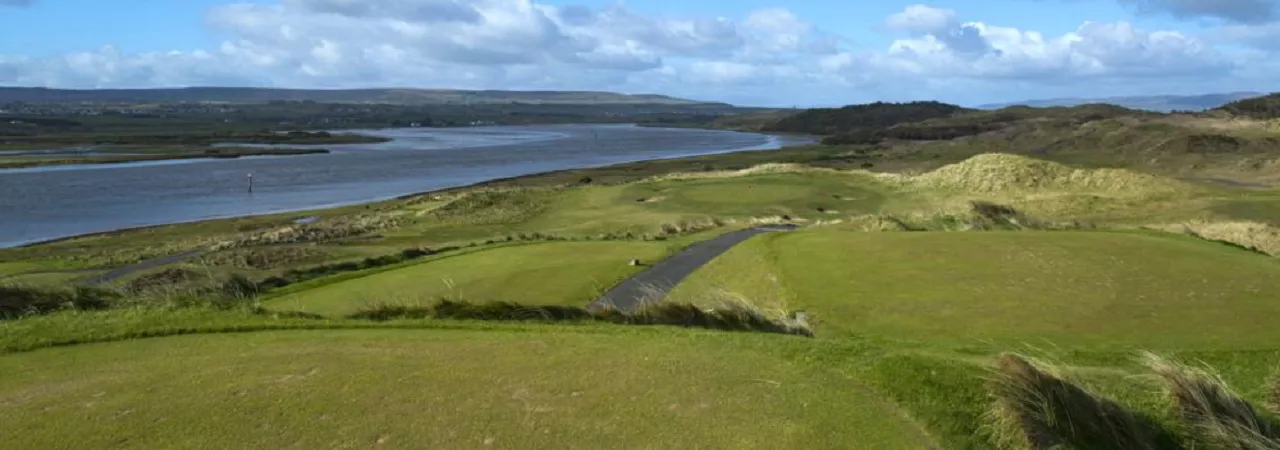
1161, 103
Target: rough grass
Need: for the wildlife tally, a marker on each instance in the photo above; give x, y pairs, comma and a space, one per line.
1272, 402
1034, 408
17, 301
1106, 289
1218, 417
266, 258
1260, 237
727, 316
1001, 173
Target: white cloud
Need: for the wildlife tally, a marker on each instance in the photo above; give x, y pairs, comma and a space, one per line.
768, 56
921, 19
943, 47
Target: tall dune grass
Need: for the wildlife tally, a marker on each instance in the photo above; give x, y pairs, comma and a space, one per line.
1256, 236
1218, 417
1036, 408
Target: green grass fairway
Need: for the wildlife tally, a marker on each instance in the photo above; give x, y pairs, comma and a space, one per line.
1101, 288
797, 194
643, 207
562, 273
435, 389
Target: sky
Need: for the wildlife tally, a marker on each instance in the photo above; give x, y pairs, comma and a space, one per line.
747, 52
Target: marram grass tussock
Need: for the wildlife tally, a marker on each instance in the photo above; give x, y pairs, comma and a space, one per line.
1257, 236
1216, 415
991, 173
1003, 173
1034, 407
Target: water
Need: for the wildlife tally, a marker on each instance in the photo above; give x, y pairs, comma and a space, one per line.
44, 203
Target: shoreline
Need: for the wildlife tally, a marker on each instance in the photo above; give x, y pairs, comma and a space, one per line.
781, 144
107, 159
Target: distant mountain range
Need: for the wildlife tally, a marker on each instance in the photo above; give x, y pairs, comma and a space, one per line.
1161, 103
387, 96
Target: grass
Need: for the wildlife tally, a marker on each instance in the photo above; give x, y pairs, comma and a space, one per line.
1070, 288
559, 273
909, 326
1035, 409
1217, 416
732, 317
434, 389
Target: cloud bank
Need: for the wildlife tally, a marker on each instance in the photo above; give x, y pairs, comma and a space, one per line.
769, 56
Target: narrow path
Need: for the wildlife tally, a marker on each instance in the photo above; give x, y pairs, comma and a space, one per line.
655, 283
121, 272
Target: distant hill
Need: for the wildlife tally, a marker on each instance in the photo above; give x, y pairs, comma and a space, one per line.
1161, 103
387, 96
1263, 108
854, 118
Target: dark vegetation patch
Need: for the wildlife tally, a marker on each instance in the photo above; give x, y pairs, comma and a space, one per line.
964, 123
21, 301
265, 258
729, 318
1261, 108
299, 275
1211, 143
913, 132
826, 121
166, 278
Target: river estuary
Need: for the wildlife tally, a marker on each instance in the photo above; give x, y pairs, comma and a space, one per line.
44, 203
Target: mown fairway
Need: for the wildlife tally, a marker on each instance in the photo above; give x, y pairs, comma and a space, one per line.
1097, 288
559, 273
437, 389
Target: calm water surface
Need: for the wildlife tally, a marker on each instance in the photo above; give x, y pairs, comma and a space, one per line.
51, 202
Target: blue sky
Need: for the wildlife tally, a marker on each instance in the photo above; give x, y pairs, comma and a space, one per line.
762, 52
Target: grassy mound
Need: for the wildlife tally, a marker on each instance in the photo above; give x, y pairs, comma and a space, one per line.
561, 273
1068, 287
1002, 173
434, 389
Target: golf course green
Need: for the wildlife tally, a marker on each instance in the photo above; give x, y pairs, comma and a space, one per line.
991, 301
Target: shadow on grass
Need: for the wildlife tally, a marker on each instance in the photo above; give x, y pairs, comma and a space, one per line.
18, 301
728, 318
1218, 417
1034, 408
